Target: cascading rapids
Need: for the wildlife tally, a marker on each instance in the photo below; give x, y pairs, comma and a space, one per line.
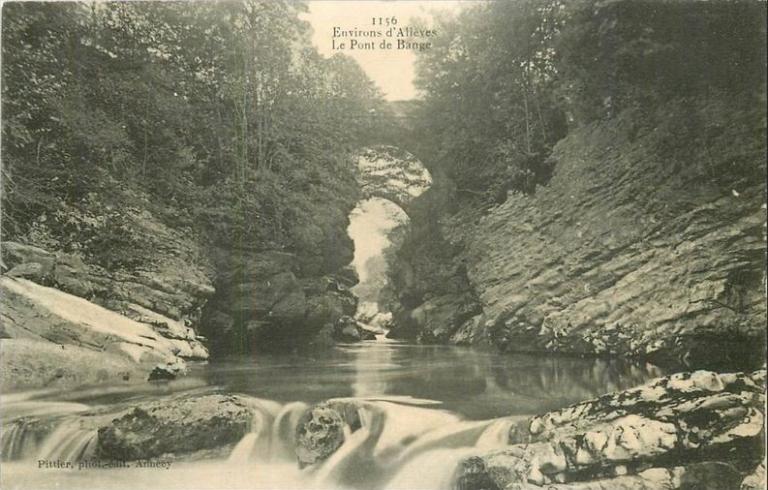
403, 443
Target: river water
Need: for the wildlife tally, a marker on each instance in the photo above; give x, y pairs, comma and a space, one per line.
428, 405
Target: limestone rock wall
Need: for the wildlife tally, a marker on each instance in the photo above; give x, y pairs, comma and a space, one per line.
268, 301
66, 322
649, 241
689, 430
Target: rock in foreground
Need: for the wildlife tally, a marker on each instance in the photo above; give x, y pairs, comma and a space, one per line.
321, 430
756, 480
690, 430
182, 426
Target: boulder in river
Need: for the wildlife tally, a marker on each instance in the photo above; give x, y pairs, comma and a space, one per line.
320, 431
366, 333
653, 436
180, 426
346, 329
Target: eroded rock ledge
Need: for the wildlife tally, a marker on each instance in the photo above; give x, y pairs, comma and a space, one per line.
690, 430
65, 322
274, 300
166, 287
632, 249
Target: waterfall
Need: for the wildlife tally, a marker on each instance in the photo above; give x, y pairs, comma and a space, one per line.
497, 434
433, 470
403, 442
69, 442
248, 447
403, 423
392, 436
17, 440
460, 434
257, 443
351, 463
430, 462
272, 433
404, 446
26, 422
284, 430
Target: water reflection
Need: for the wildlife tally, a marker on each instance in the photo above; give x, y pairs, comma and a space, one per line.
477, 385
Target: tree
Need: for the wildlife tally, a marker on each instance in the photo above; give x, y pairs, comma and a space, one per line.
488, 96
213, 115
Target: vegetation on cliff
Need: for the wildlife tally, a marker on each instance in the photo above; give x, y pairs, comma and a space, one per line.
160, 137
216, 117
507, 80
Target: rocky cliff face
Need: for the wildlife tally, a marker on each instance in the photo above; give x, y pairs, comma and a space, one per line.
66, 322
267, 301
648, 241
284, 299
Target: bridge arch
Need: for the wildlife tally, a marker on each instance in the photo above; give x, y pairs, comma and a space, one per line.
390, 179
393, 174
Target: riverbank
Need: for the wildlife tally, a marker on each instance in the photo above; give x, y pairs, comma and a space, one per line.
386, 421
67, 323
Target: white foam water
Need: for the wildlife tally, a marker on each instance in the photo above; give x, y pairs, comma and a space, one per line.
29, 426
284, 430
403, 443
433, 470
69, 442
401, 446
16, 440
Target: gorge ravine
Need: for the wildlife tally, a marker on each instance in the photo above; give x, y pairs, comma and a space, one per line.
574, 297
251, 428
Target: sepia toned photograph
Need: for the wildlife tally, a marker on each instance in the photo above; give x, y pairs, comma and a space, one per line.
383, 244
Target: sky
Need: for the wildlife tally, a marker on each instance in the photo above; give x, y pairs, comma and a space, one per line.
391, 70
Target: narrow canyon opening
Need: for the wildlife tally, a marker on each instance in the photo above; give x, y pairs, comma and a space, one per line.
390, 180
377, 227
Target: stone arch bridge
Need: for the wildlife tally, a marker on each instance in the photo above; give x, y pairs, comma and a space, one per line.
393, 174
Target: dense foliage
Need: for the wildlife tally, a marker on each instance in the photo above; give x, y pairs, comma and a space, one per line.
214, 116
506, 80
